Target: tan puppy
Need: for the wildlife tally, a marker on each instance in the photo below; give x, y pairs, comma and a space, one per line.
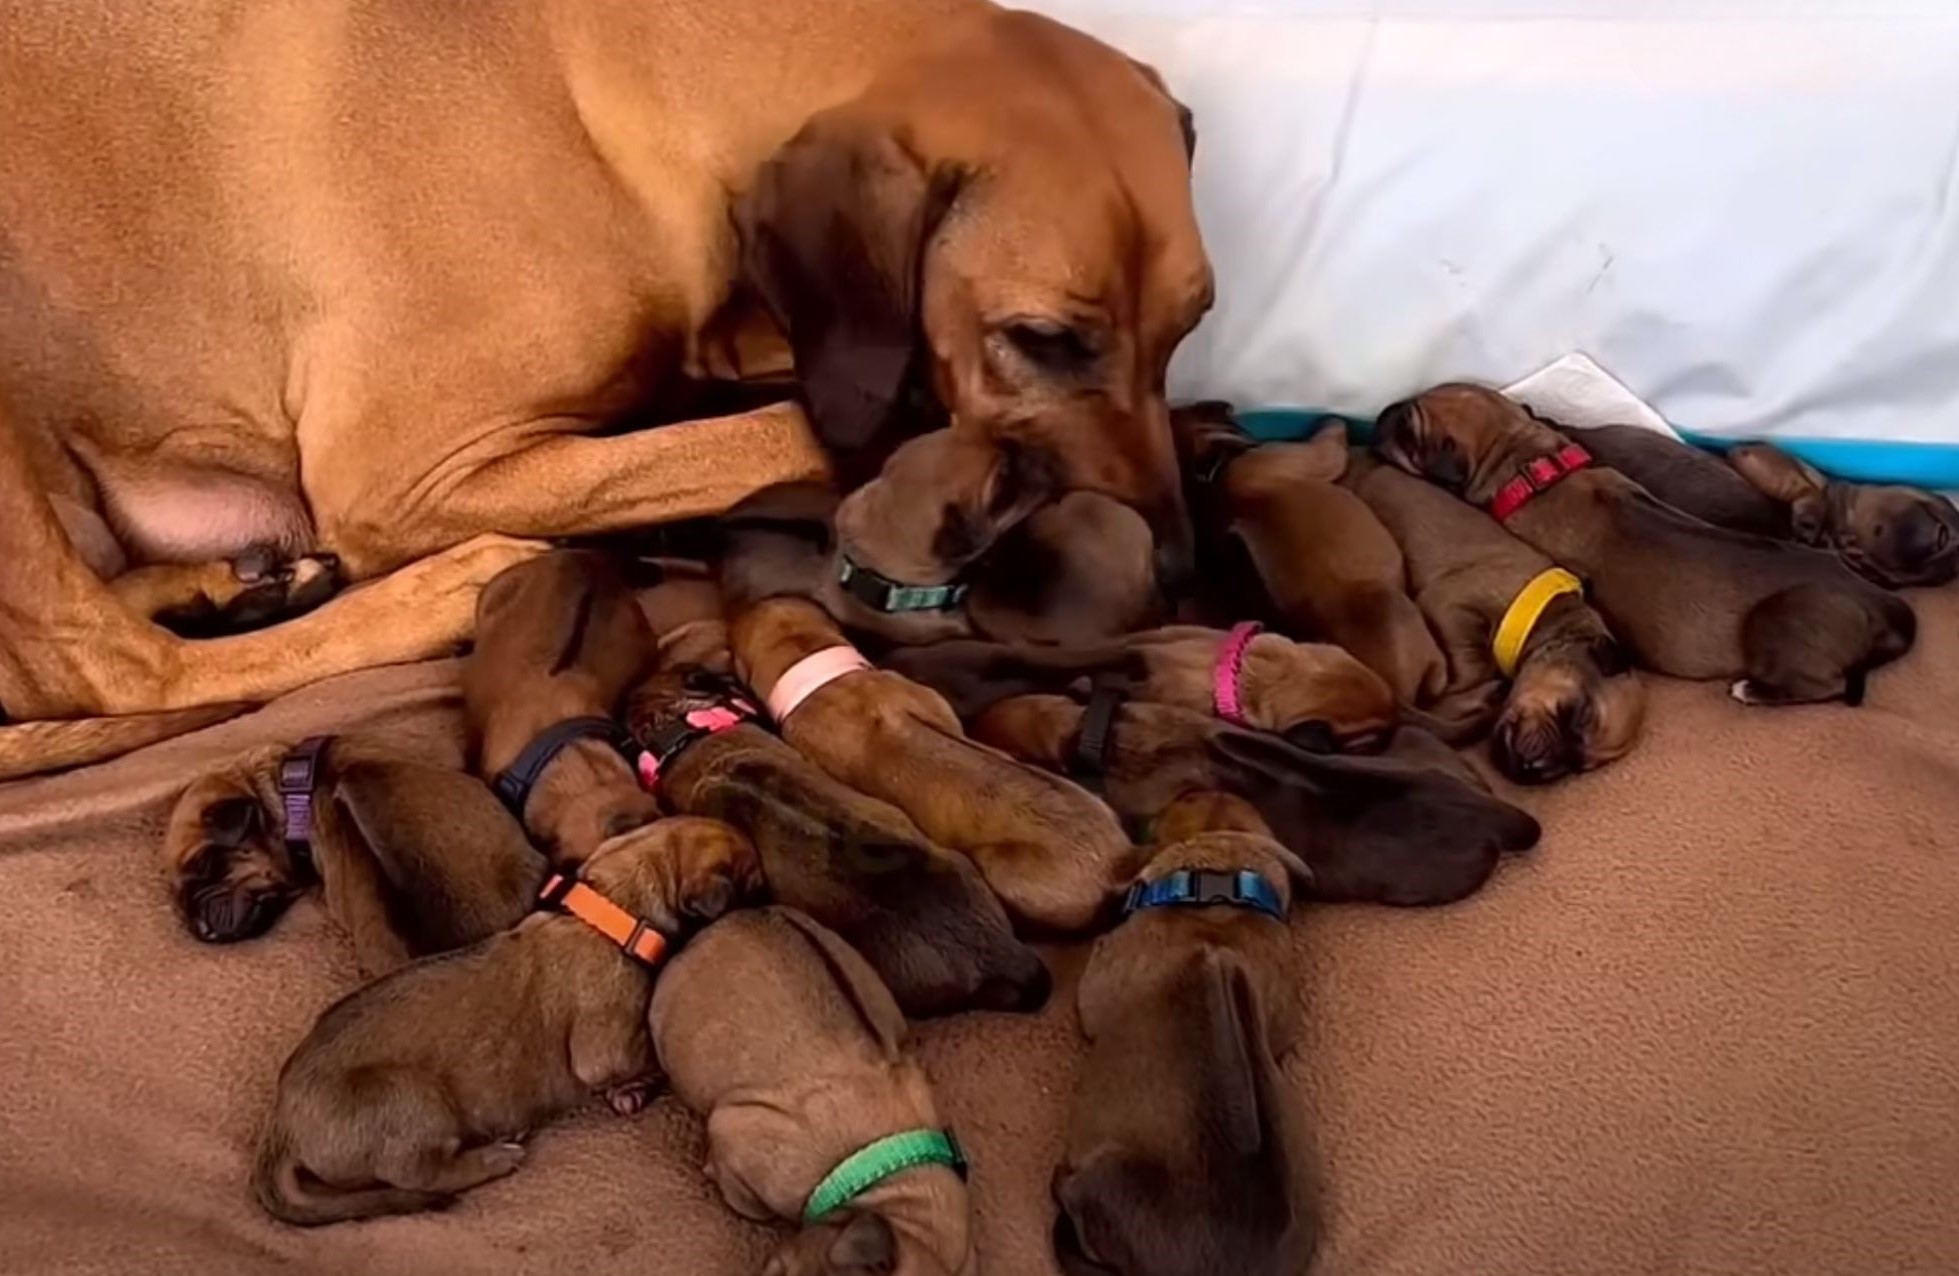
1052, 852
419, 1086
784, 1041
1324, 563
410, 859
922, 916
1894, 535
1412, 826
937, 200
1574, 701
559, 641
1188, 1154
1689, 599
1315, 694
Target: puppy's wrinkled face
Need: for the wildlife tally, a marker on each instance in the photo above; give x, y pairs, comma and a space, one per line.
940, 502
1443, 434
1571, 709
854, 1243
234, 875
682, 872
1896, 536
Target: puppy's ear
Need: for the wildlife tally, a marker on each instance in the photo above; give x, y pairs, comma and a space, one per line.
858, 981
1296, 868
833, 239
1328, 448
866, 1246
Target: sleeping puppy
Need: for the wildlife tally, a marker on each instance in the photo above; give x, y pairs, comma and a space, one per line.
559, 640
922, 916
419, 1086
1188, 1153
1049, 850
1327, 566
776, 1032
1313, 693
1894, 535
1409, 827
1689, 599
1079, 567
1574, 701
410, 859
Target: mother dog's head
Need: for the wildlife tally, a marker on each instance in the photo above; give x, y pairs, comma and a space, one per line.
999, 230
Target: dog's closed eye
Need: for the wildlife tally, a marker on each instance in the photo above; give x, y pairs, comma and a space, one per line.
1052, 346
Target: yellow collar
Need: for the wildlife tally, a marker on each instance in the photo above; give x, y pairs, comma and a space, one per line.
1525, 611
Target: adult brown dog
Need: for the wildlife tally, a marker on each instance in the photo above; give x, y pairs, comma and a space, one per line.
783, 1040
409, 858
1050, 851
559, 640
255, 294
1413, 826
1891, 534
1688, 598
1574, 701
1188, 1153
416, 1088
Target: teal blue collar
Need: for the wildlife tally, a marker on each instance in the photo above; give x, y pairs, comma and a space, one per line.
880, 593
871, 1165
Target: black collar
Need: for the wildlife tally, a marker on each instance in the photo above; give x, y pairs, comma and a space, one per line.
516, 781
1088, 762
881, 593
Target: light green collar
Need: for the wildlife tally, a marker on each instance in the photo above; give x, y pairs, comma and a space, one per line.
864, 1169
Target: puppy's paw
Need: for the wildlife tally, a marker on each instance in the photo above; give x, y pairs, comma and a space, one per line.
629, 1098
499, 1159
276, 590
1743, 692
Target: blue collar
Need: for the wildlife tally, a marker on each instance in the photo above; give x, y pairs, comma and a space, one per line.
1203, 887
880, 593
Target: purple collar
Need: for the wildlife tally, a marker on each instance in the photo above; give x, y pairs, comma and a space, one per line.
299, 772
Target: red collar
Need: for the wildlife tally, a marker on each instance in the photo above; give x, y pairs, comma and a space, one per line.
1538, 474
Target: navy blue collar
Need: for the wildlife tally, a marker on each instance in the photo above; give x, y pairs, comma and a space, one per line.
1204, 887
880, 593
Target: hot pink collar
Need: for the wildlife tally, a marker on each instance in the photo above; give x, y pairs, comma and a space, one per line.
1226, 694
810, 675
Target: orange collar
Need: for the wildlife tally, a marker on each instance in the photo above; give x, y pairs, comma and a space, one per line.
635, 936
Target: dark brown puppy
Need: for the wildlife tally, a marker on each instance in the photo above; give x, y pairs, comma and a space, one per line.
1079, 570
1894, 535
1412, 826
559, 638
1049, 850
779, 1035
410, 859
417, 1087
1574, 701
1688, 598
1188, 1153
1314, 693
1328, 568
922, 916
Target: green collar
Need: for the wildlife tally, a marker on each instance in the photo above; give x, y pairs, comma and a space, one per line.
880, 593
864, 1169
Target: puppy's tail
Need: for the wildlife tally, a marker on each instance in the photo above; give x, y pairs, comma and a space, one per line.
32, 748
289, 1193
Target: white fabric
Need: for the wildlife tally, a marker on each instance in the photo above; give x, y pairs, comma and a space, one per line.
1746, 212
1574, 390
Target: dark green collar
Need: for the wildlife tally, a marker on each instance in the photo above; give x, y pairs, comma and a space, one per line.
880, 593
887, 1158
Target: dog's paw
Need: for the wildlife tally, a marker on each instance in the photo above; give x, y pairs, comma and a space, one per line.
629, 1098
276, 590
499, 1159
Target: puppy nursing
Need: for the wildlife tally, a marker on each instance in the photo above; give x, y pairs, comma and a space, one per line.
1688, 599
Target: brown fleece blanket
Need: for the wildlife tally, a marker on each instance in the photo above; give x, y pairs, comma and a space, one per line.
1711, 1026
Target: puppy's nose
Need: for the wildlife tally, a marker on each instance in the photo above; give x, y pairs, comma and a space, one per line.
1027, 993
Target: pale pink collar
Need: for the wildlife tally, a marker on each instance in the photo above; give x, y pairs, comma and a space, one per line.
810, 675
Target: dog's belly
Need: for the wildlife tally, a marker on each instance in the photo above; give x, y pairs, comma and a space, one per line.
198, 516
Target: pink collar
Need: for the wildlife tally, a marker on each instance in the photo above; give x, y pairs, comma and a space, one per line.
1225, 691
810, 675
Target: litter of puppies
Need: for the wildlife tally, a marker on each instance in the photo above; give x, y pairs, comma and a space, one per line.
722, 833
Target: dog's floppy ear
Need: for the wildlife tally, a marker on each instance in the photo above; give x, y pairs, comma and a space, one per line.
858, 981
1186, 122
833, 239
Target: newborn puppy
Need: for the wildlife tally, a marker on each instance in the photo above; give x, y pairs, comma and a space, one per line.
410, 859
419, 1086
783, 1040
1689, 599
559, 640
1050, 851
922, 916
1574, 702
1079, 570
1314, 693
1327, 566
1411, 826
1896, 536
1188, 1154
